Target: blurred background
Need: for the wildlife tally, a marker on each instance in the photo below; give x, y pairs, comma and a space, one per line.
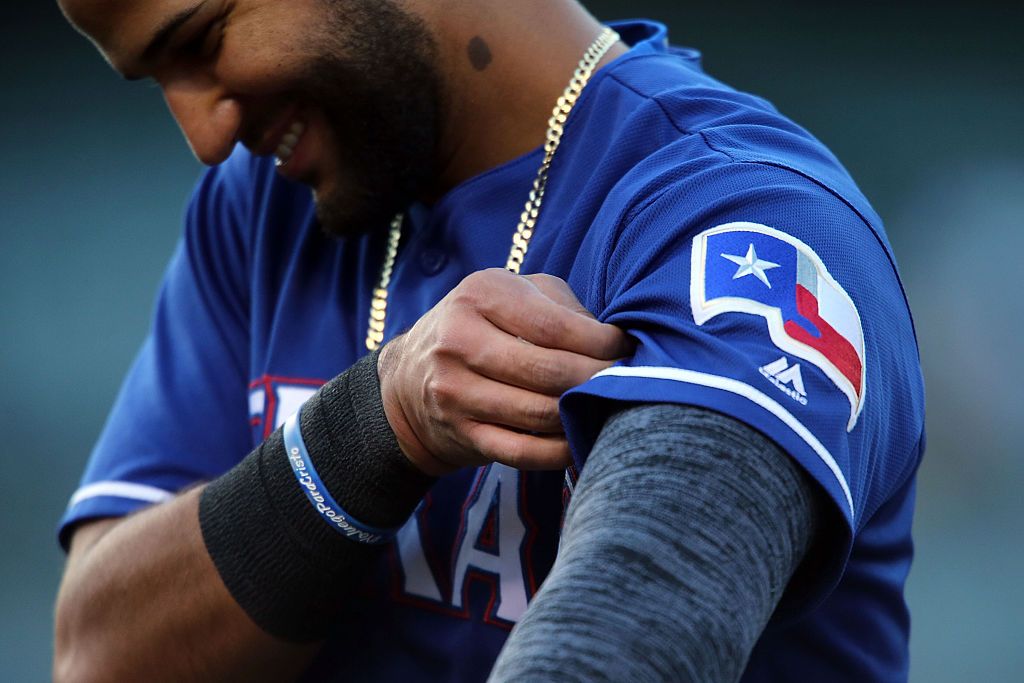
923, 102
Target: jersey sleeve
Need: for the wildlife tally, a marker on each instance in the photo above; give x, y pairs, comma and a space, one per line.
181, 415
755, 292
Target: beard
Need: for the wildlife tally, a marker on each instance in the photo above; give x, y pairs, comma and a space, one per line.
376, 80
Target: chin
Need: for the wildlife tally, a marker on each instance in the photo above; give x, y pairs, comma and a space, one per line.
344, 215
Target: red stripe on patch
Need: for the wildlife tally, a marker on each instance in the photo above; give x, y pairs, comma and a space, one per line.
834, 346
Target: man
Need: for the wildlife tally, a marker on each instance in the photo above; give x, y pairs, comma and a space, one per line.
746, 455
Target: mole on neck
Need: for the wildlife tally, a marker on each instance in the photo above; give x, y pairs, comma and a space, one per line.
479, 53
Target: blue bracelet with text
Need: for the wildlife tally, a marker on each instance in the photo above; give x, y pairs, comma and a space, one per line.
328, 508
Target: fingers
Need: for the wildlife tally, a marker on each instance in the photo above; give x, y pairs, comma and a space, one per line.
521, 451
521, 309
500, 404
551, 372
483, 421
558, 290
478, 377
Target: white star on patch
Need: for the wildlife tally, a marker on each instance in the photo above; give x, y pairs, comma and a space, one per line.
751, 265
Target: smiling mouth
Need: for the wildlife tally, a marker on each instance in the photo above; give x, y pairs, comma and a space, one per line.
289, 140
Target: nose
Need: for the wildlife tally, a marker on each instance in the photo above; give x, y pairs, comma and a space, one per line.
207, 115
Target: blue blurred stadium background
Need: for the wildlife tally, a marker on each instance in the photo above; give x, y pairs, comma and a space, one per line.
924, 103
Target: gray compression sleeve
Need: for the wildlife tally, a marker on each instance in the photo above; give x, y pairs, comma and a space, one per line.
682, 534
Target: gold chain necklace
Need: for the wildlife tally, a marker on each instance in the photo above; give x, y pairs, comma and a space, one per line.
528, 219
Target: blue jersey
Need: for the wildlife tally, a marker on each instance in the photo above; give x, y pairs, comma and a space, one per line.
730, 243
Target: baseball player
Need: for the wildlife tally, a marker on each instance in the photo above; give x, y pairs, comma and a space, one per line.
498, 343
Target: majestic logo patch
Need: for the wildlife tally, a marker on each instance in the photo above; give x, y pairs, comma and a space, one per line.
751, 268
787, 378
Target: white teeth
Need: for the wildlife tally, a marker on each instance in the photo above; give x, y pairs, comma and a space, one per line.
288, 141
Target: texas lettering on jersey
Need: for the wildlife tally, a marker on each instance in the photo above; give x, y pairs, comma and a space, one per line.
494, 543
774, 340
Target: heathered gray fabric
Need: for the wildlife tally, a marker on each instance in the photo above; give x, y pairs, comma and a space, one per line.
682, 534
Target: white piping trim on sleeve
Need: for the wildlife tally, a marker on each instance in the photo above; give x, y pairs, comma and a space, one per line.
747, 392
120, 489
568, 483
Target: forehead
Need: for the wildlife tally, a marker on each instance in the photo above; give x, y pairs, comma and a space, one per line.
117, 27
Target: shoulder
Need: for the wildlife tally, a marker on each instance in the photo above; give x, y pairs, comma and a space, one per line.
737, 248
693, 154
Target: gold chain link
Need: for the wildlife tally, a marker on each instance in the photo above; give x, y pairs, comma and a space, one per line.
528, 219
379, 303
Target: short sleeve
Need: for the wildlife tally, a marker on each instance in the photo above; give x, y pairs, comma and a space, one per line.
181, 414
755, 292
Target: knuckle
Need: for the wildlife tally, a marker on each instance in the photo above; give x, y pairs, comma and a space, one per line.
439, 392
452, 340
466, 294
512, 452
481, 280
462, 298
495, 445
540, 277
487, 445
491, 305
540, 320
494, 274
447, 346
546, 373
470, 280
447, 394
552, 323
553, 287
473, 433
430, 391
480, 357
542, 411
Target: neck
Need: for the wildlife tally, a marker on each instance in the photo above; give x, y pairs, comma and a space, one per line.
506, 65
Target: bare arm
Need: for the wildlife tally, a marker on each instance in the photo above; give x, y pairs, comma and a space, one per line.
141, 600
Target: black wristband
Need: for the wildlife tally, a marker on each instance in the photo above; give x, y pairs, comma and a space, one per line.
281, 561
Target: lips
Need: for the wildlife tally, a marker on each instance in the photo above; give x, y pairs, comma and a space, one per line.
266, 135
295, 138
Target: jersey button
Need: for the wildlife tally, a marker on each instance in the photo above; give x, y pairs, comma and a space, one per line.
433, 260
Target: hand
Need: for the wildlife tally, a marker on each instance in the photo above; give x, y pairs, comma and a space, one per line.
477, 379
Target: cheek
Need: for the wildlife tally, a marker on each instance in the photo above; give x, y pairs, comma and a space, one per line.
257, 69
264, 57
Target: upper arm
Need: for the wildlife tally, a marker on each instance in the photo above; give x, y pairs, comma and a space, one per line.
682, 536
756, 293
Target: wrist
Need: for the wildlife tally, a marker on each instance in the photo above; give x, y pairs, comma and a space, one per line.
355, 448
265, 523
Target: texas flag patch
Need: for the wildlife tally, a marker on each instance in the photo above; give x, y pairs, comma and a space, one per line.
751, 268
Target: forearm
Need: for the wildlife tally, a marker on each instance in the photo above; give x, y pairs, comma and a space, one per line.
193, 588
683, 533
143, 601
